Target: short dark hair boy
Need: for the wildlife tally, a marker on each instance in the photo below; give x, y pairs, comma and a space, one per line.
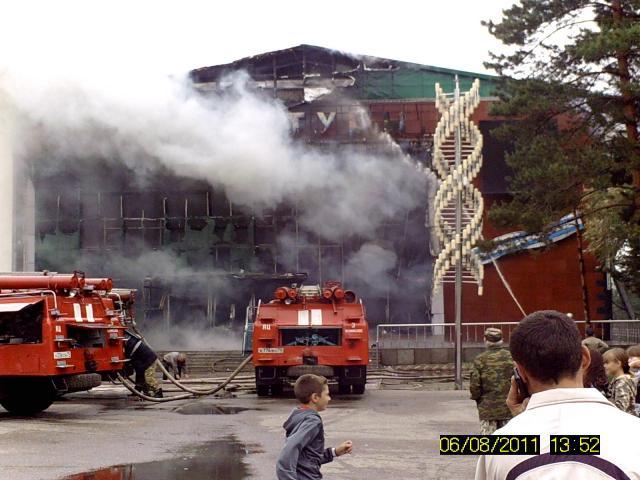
548, 344
307, 385
304, 451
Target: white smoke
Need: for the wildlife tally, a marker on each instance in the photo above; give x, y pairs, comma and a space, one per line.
239, 140
288, 245
373, 266
148, 263
170, 272
6, 185
192, 337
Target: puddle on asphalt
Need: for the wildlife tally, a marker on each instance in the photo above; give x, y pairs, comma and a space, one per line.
219, 460
208, 409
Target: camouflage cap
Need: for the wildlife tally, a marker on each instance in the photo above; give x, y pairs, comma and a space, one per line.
493, 334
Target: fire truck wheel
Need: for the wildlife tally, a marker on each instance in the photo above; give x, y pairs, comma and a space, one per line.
276, 390
358, 388
28, 399
262, 390
344, 388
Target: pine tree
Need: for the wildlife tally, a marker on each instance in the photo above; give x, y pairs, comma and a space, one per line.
570, 83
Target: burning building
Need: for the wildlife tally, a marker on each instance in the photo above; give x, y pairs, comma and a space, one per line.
311, 162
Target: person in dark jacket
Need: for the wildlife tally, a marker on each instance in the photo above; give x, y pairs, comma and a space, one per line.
143, 361
304, 451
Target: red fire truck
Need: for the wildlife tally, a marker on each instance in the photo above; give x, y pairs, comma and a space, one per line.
310, 329
59, 333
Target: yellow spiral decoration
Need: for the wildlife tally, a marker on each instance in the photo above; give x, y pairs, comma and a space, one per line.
456, 114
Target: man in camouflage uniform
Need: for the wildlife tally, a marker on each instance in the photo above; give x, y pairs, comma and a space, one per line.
490, 382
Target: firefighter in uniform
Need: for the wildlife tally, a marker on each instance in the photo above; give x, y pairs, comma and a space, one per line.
143, 361
490, 382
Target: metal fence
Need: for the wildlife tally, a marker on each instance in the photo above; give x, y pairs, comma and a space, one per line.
431, 335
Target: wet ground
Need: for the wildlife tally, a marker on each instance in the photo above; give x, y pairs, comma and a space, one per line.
219, 460
207, 408
106, 435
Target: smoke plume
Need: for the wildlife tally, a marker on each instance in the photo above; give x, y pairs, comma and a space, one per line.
239, 140
373, 266
192, 337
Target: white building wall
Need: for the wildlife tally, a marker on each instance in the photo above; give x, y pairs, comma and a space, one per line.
7, 178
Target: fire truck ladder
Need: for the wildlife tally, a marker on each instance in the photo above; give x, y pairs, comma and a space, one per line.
458, 204
249, 320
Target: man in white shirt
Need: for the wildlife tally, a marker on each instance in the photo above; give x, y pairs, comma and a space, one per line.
546, 348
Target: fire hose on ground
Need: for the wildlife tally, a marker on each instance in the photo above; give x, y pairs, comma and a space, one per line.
376, 375
192, 392
379, 375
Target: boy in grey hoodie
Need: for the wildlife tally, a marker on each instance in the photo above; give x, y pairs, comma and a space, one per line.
304, 451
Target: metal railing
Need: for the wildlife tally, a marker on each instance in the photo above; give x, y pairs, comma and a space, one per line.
442, 335
620, 331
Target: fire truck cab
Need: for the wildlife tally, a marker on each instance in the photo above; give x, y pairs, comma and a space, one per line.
59, 333
309, 329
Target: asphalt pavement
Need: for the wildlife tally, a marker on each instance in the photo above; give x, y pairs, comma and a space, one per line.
395, 435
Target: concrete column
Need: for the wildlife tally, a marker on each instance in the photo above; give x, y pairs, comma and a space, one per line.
25, 223
437, 311
6, 183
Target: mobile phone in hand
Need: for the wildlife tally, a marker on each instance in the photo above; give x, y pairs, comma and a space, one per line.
522, 387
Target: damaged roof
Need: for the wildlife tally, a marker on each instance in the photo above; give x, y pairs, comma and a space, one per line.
362, 77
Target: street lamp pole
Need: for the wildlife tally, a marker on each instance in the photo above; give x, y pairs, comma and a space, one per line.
458, 253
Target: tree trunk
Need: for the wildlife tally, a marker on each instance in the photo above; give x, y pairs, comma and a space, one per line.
628, 102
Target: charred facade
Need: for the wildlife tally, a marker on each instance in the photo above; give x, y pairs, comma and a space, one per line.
335, 101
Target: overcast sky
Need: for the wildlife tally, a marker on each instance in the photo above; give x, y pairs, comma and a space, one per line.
139, 36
